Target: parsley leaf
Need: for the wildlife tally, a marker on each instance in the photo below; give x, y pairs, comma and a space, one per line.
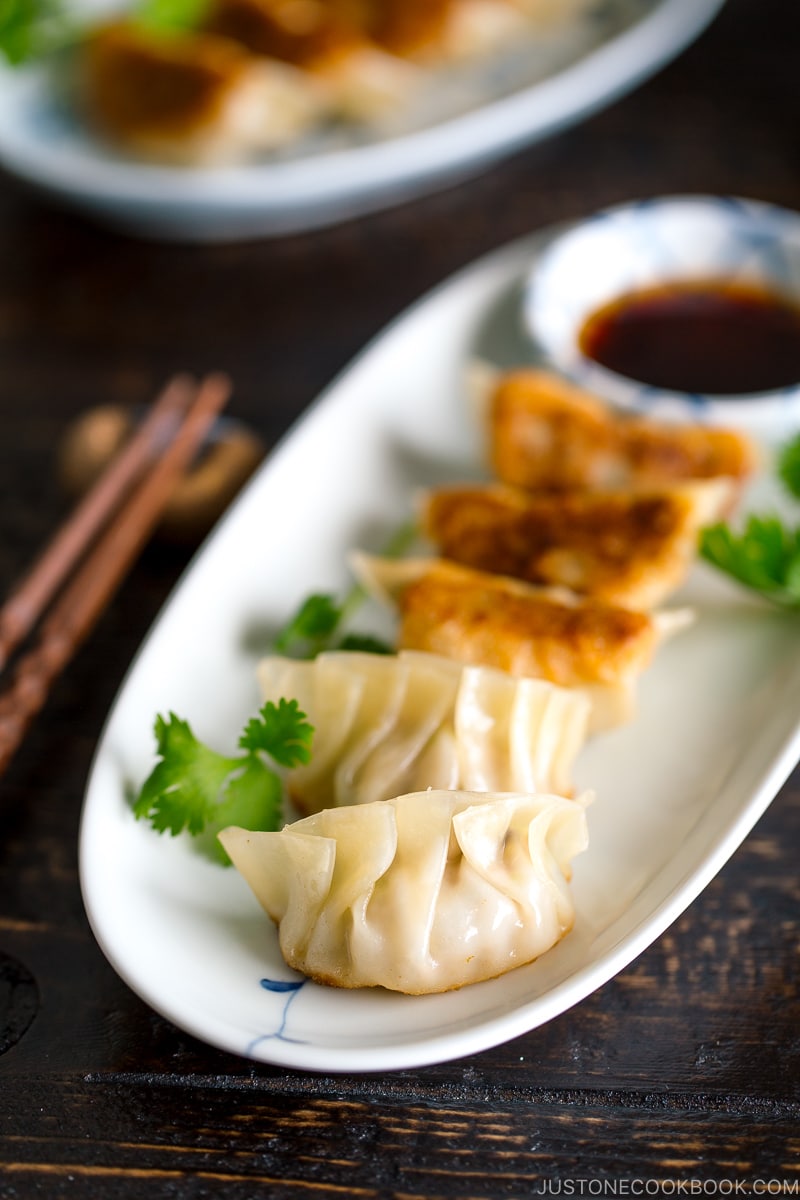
764, 556
788, 466
194, 788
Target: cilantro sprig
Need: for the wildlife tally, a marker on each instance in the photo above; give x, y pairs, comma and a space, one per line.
31, 29
316, 625
788, 466
764, 556
34, 29
196, 789
166, 16
318, 622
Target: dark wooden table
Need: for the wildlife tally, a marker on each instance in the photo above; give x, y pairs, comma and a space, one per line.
683, 1069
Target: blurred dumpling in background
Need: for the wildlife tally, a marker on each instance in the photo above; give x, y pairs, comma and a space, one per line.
328, 41
256, 75
544, 14
191, 99
437, 31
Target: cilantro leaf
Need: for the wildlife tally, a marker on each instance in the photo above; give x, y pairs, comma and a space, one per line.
788, 466
282, 731
315, 624
32, 29
764, 556
167, 16
253, 799
366, 643
311, 626
193, 788
29, 29
183, 789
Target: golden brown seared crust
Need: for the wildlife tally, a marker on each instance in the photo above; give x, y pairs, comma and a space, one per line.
408, 27
138, 86
628, 548
302, 32
307, 32
339, 980
490, 620
547, 433
661, 452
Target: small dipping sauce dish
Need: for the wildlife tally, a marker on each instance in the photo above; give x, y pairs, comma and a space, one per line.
684, 307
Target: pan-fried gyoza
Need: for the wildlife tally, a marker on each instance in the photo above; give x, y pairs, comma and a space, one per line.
328, 43
256, 75
191, 100
544, 432
627, 547
544, 633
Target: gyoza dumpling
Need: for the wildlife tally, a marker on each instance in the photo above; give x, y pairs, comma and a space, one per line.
328, 42
545, 432
544, 633
545, 14
192, 98
387, 724
422, 893
627, 547
443, 30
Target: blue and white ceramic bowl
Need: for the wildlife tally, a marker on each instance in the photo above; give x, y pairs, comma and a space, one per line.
648, 243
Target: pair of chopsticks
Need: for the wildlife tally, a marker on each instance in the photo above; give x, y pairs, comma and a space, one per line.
81, 568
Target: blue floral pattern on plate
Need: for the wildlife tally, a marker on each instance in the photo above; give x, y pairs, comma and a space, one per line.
647, 242
288, 990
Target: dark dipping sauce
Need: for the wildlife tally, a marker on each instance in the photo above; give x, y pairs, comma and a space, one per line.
709, 336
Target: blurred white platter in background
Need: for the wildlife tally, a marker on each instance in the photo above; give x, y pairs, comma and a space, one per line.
717, 731
506, 104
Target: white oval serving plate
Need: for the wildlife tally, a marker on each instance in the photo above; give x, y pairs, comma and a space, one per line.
717, 732
622, 43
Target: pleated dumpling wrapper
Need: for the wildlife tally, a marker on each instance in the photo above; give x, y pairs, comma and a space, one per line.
542, 633
388, 724
421, 893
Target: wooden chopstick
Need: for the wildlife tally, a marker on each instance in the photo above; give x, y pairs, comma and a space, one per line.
96, 579
29, 600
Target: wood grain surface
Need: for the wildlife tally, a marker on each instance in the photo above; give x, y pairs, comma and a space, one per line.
680, 1074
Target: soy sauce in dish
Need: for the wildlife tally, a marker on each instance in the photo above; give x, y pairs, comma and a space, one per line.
713, 336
